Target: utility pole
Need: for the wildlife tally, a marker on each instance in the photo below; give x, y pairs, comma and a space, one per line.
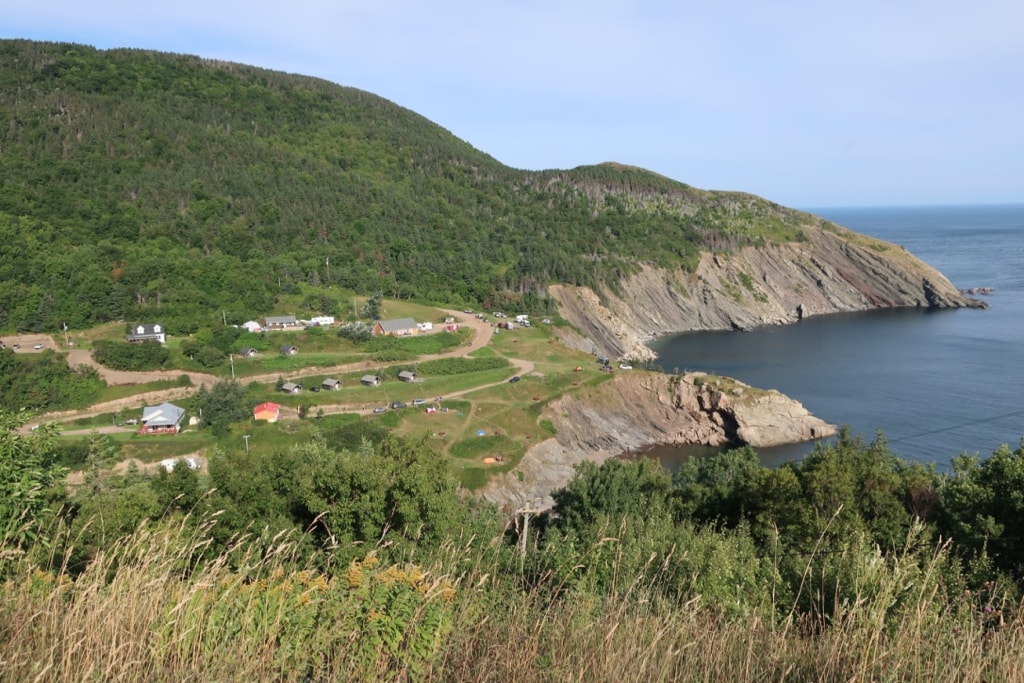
246, 437
66, 341
224, 315
231, 357
526, 512
328, 270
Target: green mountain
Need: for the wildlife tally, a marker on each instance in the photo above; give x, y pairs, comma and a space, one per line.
143, 185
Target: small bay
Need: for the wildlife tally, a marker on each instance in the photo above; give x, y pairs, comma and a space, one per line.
936, 383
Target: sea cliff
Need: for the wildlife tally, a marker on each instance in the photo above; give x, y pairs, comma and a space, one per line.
831, 270
638, 409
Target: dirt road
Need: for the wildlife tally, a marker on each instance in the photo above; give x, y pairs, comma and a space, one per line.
78, 478
78, 357
481, 338
483, 332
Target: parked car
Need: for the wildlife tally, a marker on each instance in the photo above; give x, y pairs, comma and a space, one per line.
419, 401
37, 347
314, 388
514, 379
15, 346
397, 404
380, 409
625, 366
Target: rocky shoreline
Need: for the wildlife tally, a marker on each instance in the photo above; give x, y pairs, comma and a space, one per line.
828, 270
831, 271
638, 409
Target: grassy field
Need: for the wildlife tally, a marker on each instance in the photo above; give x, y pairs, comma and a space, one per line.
155, 448
483, 422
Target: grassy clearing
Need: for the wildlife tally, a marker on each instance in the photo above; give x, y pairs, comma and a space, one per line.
489, 403
155, 448
112, 393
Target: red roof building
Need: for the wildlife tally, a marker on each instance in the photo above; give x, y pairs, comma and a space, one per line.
267, 411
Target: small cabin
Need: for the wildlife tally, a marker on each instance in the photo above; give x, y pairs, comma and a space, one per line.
270, 412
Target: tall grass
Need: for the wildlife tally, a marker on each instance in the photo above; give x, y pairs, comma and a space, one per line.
156, 607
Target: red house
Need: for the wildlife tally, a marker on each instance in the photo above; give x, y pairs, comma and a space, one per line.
267, 411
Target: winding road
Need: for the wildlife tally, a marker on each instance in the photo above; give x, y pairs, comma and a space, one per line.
483, 332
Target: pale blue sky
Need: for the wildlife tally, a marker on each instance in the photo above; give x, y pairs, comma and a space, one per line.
807, 103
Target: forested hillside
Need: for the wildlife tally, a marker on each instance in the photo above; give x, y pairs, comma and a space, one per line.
142, 185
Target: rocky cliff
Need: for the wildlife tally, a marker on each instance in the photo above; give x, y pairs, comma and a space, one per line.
638, 409
830, 270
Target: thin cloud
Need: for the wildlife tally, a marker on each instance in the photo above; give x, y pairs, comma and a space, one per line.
803, 102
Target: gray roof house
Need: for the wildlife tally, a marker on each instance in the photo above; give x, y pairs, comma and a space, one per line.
290, 388
399, 327
289, 350
331, 383
279, 322
147, 332
407, 376
370, 380
163, 418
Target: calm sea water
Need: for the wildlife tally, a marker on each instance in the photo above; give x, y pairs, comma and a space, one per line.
936, 383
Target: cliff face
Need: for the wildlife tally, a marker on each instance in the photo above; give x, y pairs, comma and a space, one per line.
639, 409
831, 271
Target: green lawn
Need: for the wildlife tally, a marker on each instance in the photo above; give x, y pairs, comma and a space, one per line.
508, 415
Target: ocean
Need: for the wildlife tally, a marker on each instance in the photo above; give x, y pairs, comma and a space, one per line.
936, 383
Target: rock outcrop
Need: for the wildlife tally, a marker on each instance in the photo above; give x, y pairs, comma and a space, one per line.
639, 409
830, 271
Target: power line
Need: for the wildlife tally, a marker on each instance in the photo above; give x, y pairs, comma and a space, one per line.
1016, 413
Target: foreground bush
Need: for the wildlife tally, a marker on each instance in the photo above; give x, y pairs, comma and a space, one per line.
155, 608
140, 612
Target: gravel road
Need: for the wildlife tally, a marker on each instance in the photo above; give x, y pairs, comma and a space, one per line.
483, 332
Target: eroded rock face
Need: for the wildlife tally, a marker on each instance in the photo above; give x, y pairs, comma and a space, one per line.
832, 271
635, 410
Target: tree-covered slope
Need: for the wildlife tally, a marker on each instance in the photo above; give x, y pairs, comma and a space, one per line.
139, 184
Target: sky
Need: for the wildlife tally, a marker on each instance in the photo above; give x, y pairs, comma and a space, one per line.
808, 103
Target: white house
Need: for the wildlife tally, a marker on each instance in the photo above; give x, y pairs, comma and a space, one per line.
322, 320
162, 419
280, 322
252, 326
147, 332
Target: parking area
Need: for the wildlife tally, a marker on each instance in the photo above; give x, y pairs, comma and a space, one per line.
28, 343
